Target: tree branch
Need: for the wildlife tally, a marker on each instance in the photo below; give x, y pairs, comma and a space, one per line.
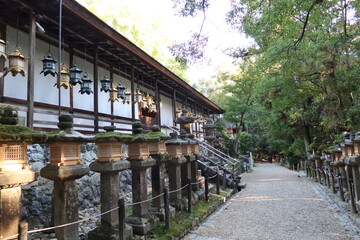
307, 20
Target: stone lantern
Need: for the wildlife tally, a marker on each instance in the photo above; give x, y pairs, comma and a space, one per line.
109, 163
173, 146
209, 129
139, 157
14, 169
64, 168
158, 152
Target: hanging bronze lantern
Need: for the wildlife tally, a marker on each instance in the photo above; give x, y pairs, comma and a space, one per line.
2, 49
121, 91
113, 94
16, 63
49, 66
152, 108
150, 100
105, 84
127, 98
144, 103
75, 75
138, 96
64, 77
85, 85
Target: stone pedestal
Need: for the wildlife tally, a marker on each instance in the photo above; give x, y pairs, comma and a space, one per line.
10, 200
109, 187
65, 197
175, 182
194, 174
158, 185
141, 221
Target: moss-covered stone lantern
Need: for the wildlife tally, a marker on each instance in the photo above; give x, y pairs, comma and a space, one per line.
357, 144
65, 143
64, 168
14, 169
174, 146
139, 157
138, 146
157, 147
110, 145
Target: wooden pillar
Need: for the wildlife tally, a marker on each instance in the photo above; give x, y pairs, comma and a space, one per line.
132, 94
2, 61
96, 90
71, 62
196, 125
111, 102
31, 69
157, 100
174, 105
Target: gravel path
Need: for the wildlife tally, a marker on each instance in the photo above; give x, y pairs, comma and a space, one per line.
277, 204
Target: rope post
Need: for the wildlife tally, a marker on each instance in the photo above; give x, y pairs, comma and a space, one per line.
218, 183
224, 183
189, 193
23, 231
121, 205
206, 187
167, 209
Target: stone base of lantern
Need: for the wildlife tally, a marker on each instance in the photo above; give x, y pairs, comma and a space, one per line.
142, 225
10, 200
65, 197
105, 232
160, 212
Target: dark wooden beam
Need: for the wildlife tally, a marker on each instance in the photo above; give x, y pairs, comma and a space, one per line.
96, 92
111, 102
157, 102
174, 105
132, 94
71, 62
31, 69
2, 60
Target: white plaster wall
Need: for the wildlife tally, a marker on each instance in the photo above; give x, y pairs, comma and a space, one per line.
166, 113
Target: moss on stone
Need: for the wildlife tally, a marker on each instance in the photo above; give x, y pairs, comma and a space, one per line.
112, 137
68, 135
20, 133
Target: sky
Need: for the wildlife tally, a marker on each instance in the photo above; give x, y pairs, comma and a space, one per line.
178, 29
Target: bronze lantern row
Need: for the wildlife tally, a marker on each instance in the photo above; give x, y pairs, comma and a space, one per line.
16, 60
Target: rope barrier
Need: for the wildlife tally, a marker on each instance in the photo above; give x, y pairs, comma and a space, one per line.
103, 213
213, 176
11, 237
179, 189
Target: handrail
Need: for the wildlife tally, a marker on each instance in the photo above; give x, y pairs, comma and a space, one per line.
211, 149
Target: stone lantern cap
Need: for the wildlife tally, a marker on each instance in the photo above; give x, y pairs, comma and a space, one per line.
68, 135
336, 150
66, 132
209, 124
175, 140
185, 118
10, 132
357, 137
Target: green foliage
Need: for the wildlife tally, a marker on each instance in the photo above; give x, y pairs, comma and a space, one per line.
245, 143
139, 29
